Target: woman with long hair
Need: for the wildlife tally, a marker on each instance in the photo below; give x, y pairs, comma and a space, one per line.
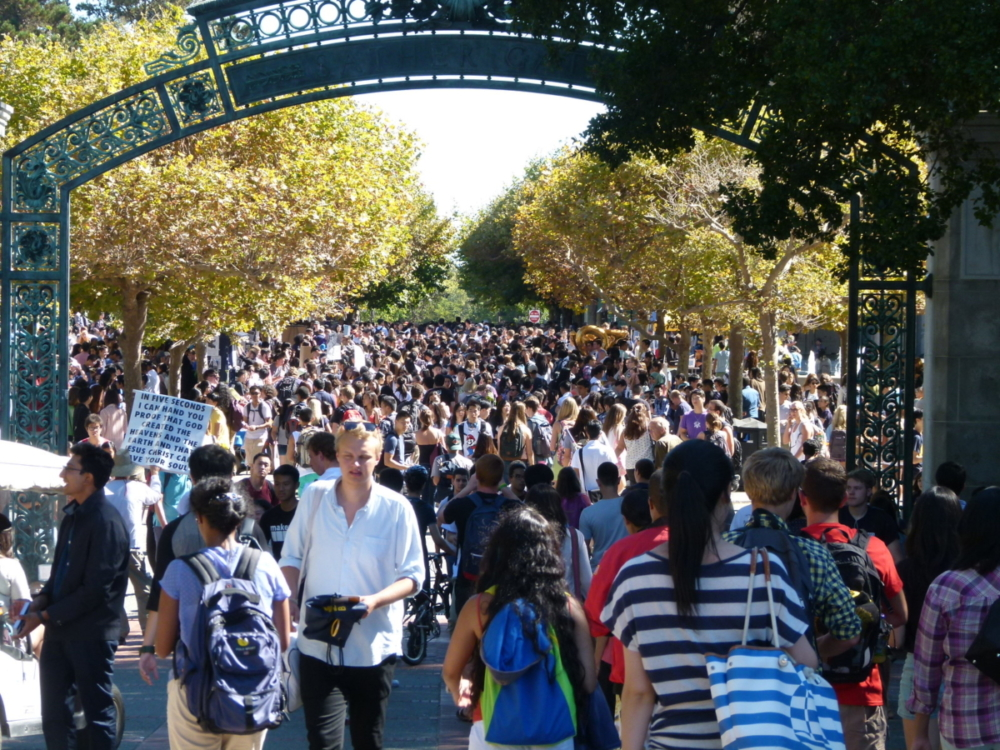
114, 416
674, 604
635, 441
442, 415
931, 549
576, 557
715, 406
614, 427
837, 436
219, 512
565, 419
428, 438
799, 429
955, 608
521, 566
571, 495
514, 440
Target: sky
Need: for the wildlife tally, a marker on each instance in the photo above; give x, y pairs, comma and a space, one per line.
476, 142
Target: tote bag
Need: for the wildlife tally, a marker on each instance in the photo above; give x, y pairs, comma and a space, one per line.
763, 699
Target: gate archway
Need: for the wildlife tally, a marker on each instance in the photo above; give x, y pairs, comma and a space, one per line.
241, 58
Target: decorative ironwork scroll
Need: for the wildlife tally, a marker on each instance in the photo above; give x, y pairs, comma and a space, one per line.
881, 372
34, 517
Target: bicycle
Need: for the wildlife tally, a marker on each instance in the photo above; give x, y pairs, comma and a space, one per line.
421, 618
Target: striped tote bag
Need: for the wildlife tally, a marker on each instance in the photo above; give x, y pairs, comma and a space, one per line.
763, 699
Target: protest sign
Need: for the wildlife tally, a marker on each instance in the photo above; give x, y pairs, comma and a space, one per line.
336, 352
359, 358
163, 430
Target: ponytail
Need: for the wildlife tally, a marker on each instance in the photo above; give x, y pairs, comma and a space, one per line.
696, 474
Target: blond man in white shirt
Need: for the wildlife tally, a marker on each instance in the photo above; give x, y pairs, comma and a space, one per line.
361, 540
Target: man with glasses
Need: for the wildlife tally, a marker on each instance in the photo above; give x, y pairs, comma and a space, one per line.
80, 606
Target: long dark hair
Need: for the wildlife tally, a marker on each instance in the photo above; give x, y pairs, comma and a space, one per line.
932, 543
545, 499
978, 532
696, 476
523, 560
568, 483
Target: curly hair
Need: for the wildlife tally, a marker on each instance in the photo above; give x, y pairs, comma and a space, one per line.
523, 561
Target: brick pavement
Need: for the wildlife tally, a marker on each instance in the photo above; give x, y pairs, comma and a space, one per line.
421, 713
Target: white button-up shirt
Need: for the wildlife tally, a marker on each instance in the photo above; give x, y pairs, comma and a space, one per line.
380, 547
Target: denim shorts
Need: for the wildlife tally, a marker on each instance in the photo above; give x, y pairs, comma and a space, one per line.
906, 689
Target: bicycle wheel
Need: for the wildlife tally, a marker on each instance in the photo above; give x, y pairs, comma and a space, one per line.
415, 650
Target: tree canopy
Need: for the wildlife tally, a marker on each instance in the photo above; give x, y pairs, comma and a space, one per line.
248, 225
856, 95
25, 18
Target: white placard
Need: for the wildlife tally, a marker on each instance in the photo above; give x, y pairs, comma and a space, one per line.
359, 358
336, 353
163, 430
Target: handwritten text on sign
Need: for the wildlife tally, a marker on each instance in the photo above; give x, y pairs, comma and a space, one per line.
163, 430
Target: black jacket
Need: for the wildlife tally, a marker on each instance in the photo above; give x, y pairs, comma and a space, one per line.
91, 595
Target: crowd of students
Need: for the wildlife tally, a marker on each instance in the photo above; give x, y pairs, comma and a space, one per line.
539, 467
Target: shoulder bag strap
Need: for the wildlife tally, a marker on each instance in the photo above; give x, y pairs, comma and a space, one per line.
575, 544
202, 568
770, 598
750, 585
246, 568
308, 545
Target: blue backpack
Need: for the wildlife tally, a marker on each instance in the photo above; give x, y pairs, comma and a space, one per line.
233, 672
527, 697
477, 529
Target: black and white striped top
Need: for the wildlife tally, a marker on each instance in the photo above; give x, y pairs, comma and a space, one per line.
642, 613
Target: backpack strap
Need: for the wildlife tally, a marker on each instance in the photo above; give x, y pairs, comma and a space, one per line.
202, 567
246, 568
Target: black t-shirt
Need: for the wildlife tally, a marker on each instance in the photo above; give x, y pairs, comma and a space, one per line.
425, 517
275, 525
875, 521
458, 511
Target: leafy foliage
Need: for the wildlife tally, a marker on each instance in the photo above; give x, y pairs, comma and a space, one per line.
25, 18
490, 271
856, 95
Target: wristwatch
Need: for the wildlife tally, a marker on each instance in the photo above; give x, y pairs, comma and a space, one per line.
147, 650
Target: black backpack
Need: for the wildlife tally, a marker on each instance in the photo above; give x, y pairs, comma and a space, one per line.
541, 438
984, 653
511, 444
789, 551
865, 584
477, 530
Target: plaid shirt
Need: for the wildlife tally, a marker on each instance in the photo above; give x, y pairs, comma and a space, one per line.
954, 611
832, 602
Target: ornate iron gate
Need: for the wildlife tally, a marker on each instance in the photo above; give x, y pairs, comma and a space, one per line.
236, 60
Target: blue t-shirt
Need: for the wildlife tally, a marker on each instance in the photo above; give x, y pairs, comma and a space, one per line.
182, 584
603, 522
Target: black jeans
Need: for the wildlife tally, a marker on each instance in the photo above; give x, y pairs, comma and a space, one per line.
88, 665
464, 590
331, 694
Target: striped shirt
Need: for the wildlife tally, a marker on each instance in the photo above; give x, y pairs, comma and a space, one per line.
954, 612
642, 613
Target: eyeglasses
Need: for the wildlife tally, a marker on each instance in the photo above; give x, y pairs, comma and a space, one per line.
72, 468
368, 426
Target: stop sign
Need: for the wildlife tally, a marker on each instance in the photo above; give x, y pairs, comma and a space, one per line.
534, 316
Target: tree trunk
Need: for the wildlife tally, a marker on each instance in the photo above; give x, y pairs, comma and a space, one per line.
736, 347
661, 334
134, 310
177, 351
201, 349
843, 356
770, 356
707, 337
684, 351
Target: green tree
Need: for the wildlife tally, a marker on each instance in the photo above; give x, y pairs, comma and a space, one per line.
253, 224
489, 269
25, 18
646, 236
418, 274
847, 86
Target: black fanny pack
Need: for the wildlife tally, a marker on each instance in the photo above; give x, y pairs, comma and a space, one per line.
330, 619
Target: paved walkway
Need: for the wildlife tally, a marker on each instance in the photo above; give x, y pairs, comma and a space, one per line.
421, 713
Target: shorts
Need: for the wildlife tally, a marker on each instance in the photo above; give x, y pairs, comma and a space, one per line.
906, 689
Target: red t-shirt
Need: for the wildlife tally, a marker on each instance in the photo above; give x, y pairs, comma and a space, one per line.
869, 692
613, 561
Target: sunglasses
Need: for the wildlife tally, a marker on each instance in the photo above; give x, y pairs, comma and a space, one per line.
368, 426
